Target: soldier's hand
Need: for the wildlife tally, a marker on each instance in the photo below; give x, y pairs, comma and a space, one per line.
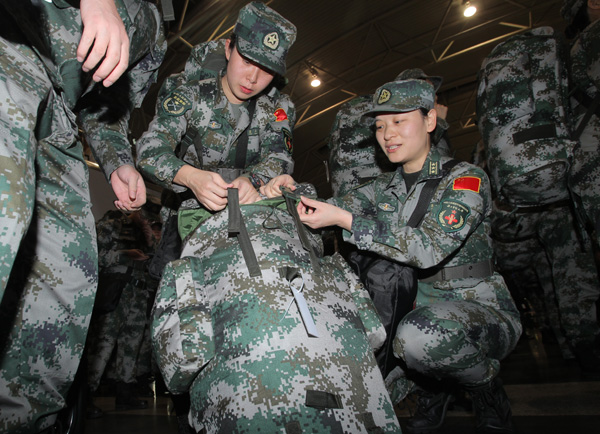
273, 187
316, 214
246, 191
129, 187
135, 254
104, 41
208, 187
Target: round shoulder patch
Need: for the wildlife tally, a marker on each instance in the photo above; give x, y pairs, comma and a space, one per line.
452, 215
176, 104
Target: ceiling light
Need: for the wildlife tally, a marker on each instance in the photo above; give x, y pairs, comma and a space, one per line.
469, 9
315, 82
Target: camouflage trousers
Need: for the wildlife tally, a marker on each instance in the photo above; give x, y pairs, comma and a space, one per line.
459, 340
121, 331
585, 177
47, 247
572, 266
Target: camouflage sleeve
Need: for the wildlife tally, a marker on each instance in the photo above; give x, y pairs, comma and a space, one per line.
105, 116
276, 140
359, 200
460, 204
156, 148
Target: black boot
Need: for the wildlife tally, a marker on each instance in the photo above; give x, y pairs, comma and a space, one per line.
430, 413
492, 408
127, 399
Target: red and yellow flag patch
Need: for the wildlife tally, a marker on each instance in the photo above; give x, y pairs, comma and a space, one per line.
467, 183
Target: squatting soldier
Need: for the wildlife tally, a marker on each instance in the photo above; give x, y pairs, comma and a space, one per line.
44, 97
465, 320
125, 243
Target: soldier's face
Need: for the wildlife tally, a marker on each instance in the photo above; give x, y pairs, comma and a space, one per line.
244, 78
404, 137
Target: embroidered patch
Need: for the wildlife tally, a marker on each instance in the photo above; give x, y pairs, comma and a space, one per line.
176, 104
384, 96
287, 139
253, 131
386, 207
453, 215
467, 183
280, 115
271, 40
214, 125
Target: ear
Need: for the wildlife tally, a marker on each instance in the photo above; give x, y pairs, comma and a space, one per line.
431, 120
228, 48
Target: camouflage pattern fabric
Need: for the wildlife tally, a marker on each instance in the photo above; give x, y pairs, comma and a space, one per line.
455, 231
264, 36
241, 346
45, 192
585, 170
522, 113
354, 155
121, 330
573, 269
204, 106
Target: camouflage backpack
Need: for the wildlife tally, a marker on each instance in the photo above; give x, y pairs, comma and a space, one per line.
253, 357
522, 112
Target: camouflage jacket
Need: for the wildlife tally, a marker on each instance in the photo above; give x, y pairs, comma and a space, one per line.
203, 106
103, 112
454, 231
240, 344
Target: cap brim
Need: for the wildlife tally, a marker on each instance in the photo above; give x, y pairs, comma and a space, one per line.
247, 49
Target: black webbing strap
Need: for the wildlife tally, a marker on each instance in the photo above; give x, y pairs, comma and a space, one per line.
322, 400
314, 260
237, 227
545, 131
592, 106
242, 144
426, 194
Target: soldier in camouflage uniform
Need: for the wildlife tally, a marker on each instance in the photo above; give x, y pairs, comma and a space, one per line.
583, 18
125, 243
190, 146
238, 340
465, 320
44, 185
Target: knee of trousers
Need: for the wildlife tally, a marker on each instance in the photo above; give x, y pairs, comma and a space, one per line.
430, 344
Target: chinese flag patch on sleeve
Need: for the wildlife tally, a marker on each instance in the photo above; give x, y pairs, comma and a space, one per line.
467, 183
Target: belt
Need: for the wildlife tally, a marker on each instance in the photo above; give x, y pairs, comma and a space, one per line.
478, 270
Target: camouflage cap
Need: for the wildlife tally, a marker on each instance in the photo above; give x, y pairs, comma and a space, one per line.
403, 96
420, 74
570, 9
264, 36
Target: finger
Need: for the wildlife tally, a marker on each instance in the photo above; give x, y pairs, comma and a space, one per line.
87, 38
97, 52
122, 54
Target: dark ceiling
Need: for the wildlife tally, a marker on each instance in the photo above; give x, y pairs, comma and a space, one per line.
357, 45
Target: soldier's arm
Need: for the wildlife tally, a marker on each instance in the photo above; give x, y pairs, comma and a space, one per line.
276, 144
452, 217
